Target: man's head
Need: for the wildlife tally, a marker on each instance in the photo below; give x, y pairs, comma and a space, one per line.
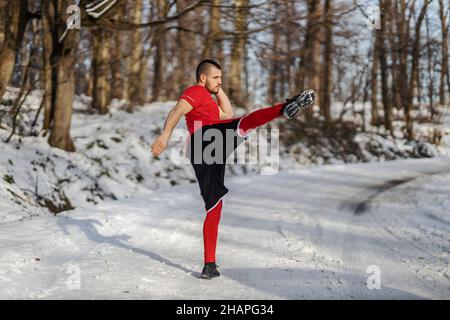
209, 75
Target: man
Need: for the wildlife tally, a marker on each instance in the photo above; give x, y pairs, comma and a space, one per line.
206, 118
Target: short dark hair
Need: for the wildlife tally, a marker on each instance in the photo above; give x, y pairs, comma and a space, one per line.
202, 66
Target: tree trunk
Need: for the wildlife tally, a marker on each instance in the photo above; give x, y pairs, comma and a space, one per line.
238, 55
374, 82
24, 59
430, 67
307, 74
443, 15
101, 68
158, 42
384, 70
158, 66
413, 71
142, 92
36, 29
63, 81
394, 50
327, 67
290, 38
212, 48
134, 62
183, 74
3, 4
116, 67
274, 71
48, 15
402, 46
15, 22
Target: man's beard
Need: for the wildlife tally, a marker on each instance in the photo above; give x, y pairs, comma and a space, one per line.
213, 91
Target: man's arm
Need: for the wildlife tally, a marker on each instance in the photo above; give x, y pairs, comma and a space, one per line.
225, 108
160, 143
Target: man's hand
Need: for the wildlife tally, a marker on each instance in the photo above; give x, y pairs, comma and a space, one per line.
159, 144
225, 108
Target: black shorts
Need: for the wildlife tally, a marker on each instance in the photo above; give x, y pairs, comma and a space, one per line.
208, 150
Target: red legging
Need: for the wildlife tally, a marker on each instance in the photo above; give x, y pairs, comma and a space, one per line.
211, 225
210, 230
258, 118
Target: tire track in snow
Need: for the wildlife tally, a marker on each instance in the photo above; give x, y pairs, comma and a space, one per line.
353, 249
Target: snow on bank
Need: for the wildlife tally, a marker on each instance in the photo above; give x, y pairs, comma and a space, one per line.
112, 161
300, 234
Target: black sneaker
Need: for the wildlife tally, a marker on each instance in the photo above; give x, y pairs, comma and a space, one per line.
293, 105
210, 271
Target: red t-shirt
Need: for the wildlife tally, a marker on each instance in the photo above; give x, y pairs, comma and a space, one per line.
205, 109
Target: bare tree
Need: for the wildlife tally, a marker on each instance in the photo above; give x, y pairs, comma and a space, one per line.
101, 69
374, 82
414, 70
395, 36
444, 19
63, 84
14, 18
238, 54
307, 73
48, 14
3, 4
430, 66
212, 48
185, 53
134, 61
158, 43
276, 61
327, 64
387, 106
117, 76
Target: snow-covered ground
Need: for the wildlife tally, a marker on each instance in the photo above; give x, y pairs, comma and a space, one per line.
313, 233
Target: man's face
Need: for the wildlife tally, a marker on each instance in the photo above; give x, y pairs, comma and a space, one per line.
213, 79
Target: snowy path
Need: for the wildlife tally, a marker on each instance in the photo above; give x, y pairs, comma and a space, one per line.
306, 234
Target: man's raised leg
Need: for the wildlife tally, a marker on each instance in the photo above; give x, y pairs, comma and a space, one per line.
258, 118
289, 109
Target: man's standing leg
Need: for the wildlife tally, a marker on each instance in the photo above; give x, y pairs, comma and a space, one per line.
210, 234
